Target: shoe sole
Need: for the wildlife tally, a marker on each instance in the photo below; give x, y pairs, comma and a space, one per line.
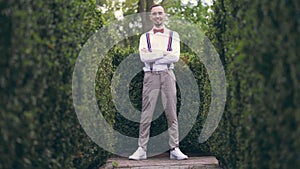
175, 158
178, 158
144, 158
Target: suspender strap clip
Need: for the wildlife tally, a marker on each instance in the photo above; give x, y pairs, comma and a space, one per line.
151, 66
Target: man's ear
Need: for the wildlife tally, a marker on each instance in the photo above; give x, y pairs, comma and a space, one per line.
165, 16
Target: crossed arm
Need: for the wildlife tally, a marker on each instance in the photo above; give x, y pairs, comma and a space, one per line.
160, 56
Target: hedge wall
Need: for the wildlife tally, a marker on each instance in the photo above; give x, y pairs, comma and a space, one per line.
259, 44
127, 127
40, 41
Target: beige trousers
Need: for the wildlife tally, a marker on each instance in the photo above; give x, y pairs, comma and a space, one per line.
153, 84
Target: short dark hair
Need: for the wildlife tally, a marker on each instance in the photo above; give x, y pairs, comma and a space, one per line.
156, 5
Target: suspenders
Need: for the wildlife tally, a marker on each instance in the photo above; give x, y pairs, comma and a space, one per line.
170, 41
170, 44
149, 49
148, 41
169, 47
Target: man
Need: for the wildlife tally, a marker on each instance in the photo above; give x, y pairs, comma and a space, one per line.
159, 49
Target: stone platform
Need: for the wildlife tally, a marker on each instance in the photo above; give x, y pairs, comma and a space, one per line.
163, 162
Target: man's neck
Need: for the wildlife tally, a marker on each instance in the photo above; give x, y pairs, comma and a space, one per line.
158, 26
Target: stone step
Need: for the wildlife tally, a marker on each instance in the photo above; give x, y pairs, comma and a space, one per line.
163, 162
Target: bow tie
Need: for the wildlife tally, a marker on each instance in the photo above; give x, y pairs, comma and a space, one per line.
158, 30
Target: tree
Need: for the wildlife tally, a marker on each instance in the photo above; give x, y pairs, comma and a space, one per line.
144, 6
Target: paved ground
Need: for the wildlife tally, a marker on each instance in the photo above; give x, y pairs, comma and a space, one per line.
163, 162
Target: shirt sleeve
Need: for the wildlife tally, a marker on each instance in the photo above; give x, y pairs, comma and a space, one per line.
171, 56
148, 56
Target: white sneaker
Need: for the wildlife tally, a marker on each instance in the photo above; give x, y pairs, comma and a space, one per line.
176, 154
139, 154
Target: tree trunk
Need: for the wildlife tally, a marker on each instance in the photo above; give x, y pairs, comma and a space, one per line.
143, 9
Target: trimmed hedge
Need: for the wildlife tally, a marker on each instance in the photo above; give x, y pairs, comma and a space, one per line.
127, 127
258, 42
40, 41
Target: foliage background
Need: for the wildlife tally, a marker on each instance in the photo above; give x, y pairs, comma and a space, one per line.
258, 43
40, 41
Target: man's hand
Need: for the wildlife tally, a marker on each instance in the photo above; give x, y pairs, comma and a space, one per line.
144, 50
165, 53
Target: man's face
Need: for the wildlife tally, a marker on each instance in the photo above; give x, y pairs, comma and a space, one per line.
157, 16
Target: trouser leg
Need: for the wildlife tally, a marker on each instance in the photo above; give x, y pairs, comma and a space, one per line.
151, 89
169, 98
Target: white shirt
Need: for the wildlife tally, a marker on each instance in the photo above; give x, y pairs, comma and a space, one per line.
159, 45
